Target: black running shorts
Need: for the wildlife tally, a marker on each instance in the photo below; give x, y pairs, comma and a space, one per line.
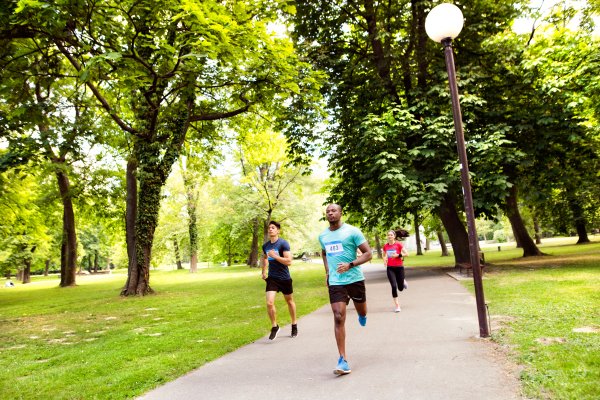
343, 293
279, 285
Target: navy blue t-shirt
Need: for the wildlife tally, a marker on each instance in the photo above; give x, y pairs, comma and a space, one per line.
276, 269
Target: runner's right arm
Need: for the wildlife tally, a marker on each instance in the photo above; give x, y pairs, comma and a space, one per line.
326, 266
265, 264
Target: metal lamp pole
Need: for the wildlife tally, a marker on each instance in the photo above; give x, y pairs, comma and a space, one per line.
466, 185
443, 23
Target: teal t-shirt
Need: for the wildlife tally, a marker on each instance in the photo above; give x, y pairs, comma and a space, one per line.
340, 247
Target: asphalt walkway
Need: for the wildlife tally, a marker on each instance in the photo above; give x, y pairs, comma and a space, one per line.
426, 351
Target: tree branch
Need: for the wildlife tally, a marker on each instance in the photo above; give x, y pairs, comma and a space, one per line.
96, 92
216, 116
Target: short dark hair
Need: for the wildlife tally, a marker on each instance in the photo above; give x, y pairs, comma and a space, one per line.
277, 224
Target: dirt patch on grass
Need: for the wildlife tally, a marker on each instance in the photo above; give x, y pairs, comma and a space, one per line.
549, 340
500, 321
587, 329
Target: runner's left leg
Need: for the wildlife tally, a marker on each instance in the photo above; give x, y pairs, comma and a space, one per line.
361, 308
391, 274
271, 307
289, 298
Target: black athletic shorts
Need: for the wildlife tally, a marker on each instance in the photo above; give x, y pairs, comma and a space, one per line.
279, 285
343, 293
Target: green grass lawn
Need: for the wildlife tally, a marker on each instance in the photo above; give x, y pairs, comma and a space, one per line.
538, 302
87, 342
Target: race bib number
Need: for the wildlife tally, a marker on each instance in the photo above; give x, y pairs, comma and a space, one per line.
391, 253
334, 248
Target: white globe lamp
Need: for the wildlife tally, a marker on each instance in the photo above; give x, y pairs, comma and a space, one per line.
444, 21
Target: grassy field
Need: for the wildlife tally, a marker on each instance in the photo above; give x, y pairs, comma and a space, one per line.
538, 304
87, 342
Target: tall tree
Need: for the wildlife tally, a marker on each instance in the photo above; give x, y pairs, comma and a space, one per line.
395, 142
162, 69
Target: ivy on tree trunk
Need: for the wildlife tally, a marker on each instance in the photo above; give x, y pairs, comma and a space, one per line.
177, 259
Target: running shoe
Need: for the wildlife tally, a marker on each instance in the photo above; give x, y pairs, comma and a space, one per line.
274, 331
342, 367
294, 330
405, 284
398, 309
362, 320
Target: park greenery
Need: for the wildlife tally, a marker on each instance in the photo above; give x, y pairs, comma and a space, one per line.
174, 131
52, 337
140, 136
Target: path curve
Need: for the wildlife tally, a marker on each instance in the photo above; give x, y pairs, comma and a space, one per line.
424, 352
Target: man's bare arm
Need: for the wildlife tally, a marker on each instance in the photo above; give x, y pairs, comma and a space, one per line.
264, 262
366, 256
285, 260
324, 256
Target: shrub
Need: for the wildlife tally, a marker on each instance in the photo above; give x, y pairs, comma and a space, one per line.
499, 236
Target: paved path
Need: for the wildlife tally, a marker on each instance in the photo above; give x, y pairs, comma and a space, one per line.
424, 352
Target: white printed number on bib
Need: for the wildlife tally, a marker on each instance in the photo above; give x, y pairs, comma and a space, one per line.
391, 253
334, 248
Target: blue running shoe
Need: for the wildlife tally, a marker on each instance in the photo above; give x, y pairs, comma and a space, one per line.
342, 367
362, 320
405, 284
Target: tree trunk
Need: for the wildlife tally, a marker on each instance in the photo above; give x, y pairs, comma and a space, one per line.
427, 243
266, 227
378, 246
229, 261
96, 261
579, 220
442, 243
19, 274
90, 263
253, 258
27, 272
517, 239
177, 259
47, 267
63, 255
8, 274
536, 226
108, 264
456, 230
145, 224
130, 217
418, 235
582, 233
71, 233
194, 263
192, 223
529, 247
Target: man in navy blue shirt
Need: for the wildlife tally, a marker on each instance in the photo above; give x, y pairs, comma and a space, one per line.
278, 256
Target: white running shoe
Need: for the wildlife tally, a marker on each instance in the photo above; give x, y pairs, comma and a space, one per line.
397, 309
405, 284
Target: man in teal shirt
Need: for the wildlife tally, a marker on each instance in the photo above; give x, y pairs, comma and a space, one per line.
344, 276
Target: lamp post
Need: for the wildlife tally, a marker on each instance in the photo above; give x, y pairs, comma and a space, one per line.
443, 24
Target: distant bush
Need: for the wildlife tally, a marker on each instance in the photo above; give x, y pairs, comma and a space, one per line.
499, 236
